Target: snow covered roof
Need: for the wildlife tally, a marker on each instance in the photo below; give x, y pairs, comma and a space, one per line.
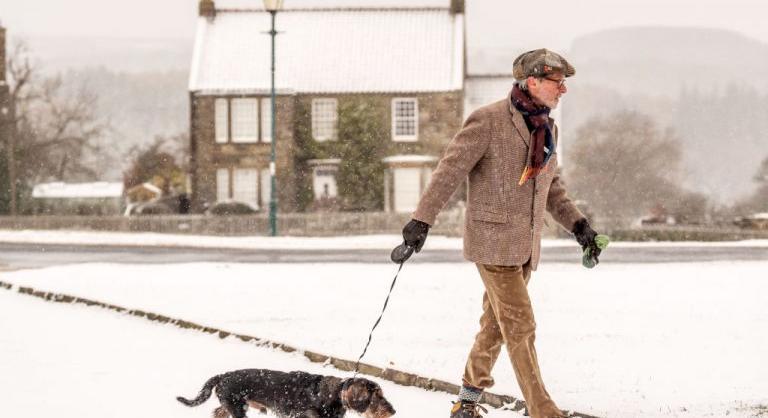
330, 51
59, 190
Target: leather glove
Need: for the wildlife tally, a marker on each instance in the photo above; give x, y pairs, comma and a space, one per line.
414, 235
585, 236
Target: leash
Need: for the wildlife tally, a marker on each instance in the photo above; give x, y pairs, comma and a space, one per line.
402, 256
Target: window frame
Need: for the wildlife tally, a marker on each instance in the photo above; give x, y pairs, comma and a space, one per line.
405, 138
316, 120
263, 127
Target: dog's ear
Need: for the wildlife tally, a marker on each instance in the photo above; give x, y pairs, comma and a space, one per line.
356, 395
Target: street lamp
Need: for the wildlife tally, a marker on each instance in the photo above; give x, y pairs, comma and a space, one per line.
273, 6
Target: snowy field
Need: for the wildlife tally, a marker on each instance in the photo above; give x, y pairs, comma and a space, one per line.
622, 340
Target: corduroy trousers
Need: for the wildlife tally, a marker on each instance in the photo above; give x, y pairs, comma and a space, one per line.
508, 320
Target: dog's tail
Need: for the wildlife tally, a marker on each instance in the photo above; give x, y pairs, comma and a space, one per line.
204, 394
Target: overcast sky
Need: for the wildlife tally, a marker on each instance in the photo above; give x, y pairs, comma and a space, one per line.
491, 23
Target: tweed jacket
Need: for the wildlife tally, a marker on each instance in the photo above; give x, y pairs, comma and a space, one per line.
504, 220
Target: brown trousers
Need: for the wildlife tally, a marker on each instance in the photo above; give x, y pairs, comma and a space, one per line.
508, 319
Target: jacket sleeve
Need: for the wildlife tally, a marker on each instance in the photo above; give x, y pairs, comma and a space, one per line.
560, 206
463, 152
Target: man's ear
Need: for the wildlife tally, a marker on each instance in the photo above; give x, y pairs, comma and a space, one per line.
532, 82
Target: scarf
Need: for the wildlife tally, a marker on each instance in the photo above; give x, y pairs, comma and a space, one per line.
537, 119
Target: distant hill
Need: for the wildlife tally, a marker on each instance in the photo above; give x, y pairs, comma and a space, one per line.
660, 60
120, 55
709, 85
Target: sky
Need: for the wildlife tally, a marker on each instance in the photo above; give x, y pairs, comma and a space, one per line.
491, 23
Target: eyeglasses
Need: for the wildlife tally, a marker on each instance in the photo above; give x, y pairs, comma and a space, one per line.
560, 82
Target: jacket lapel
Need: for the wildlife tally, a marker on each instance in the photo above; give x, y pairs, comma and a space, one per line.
518, 121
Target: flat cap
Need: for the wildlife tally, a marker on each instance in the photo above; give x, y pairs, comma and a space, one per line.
539, 63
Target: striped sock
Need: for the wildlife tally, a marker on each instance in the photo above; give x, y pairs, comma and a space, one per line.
470, 394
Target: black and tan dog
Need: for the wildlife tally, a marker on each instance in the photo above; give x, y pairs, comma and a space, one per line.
292, 395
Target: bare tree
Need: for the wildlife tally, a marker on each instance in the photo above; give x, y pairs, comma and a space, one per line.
624, 166
55, 130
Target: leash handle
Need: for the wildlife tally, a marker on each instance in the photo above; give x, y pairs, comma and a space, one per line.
386, 301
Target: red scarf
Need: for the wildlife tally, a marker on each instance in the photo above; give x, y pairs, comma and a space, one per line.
537, 118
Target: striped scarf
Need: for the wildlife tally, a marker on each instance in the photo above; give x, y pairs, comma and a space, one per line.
537, 119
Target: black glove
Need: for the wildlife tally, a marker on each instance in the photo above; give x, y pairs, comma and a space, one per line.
414, 235
585, 236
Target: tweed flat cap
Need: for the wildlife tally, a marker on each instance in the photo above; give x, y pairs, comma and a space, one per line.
539, 63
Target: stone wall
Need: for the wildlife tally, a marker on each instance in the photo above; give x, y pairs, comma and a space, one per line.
207, 156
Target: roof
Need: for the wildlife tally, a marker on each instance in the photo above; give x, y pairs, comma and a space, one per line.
59, 190
330, 51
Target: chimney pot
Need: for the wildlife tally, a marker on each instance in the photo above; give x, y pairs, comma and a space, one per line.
207, 8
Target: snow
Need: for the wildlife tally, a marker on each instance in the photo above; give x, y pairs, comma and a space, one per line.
409, 159
59, 190
361, 242
621, 340
384, 51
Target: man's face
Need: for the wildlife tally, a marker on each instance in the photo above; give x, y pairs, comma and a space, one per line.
547, 90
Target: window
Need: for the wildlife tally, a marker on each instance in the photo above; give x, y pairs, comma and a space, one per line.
324, 119
245, 186
245, 120
222, 120
266, 187
222, 184
266, 120
405, 119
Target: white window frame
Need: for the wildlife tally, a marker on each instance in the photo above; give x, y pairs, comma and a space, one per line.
245, 186
245, 117
266, 119
222, 184
221, 120
265, 186
415, 118
325, 123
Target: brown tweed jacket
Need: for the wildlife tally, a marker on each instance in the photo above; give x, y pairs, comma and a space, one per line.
503, 222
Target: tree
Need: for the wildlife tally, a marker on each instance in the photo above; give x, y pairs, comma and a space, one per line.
624, 165
157, 164
758, 201
54, 131
362, 146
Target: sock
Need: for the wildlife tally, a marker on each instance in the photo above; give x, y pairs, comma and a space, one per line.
470, 394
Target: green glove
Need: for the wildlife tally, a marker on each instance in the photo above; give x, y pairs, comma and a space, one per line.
587, 260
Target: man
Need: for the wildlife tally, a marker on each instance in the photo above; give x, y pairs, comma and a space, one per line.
506, 150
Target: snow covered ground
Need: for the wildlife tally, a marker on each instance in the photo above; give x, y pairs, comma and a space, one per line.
361, 242
622, 340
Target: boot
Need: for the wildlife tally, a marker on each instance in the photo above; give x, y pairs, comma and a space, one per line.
465, 409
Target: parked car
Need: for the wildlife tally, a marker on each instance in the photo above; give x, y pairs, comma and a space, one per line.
753, 221
230, 208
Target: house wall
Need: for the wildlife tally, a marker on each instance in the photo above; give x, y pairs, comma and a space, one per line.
208, 156
440, 117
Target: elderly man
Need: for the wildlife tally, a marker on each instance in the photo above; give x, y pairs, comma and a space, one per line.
506, 150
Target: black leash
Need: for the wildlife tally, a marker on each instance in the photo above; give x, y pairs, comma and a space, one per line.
399, 255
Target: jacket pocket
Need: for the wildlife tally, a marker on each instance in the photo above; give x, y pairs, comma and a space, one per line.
485, 215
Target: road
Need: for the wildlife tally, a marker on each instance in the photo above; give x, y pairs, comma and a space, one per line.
22, 256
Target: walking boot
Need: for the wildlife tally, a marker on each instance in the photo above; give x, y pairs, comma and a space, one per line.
466, 409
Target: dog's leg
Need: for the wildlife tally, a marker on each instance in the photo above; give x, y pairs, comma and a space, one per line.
258, 406
220, 412
235, 407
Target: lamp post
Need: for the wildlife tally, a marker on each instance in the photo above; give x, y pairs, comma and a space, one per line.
273, 6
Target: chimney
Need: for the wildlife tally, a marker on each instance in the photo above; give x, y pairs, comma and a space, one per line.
457, 7
207, 8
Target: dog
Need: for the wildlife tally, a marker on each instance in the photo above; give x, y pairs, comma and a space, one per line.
292, 395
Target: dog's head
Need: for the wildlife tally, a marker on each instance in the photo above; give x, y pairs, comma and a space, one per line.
366, 398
